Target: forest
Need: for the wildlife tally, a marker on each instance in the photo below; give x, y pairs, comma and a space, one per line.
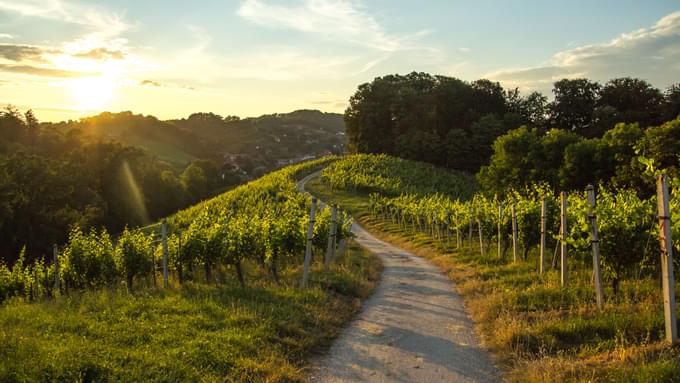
120, 169
588, 133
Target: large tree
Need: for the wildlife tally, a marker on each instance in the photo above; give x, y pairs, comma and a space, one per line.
574, 104
632, 100
413, 116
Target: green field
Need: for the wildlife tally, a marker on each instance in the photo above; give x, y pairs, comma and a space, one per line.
195, 332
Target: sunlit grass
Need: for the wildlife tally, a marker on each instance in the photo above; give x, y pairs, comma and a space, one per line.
195, 332
538, 331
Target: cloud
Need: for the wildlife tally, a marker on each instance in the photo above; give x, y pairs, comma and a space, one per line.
464, 49
21, 52
6, 36
102, 53
41, 71
343, 20
102, 23
150, 83
650, 53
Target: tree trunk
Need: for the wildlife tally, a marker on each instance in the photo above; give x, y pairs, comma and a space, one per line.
180, 277
129, 282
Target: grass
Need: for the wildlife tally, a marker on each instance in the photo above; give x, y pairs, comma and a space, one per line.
195, 332
538, 331
164, 151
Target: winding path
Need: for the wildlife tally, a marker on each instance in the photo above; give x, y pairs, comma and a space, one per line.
414, 328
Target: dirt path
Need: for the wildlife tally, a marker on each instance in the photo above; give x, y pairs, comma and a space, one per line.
413, 329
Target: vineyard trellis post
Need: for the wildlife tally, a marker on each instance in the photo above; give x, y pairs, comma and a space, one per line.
457, 232
563, 239
55, 253
472, 213
500, 236
447, 226
331, 236
514, 232
164, 243
595, 240
541, 266
666, 243
308, 248
481, 238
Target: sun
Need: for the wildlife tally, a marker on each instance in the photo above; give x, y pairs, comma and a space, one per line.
91, 93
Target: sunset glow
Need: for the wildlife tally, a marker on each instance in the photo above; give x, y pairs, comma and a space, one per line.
65, 58
90, 94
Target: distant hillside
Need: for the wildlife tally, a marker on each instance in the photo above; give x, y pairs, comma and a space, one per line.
250, 146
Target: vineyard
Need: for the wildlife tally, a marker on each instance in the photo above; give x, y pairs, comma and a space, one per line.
232, 309
544, 321
264, 221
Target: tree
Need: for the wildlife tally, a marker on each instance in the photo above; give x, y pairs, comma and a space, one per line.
513, 161
412, 115
195, 182
672, 102
660, 147
633, 100
621, 141
585, 163
572, 109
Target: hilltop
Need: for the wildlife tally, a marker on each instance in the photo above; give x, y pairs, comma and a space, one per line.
250, 146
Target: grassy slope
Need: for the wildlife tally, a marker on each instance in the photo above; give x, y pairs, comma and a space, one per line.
191, 333
538, 331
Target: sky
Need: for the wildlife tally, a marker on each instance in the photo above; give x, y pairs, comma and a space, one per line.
66, 59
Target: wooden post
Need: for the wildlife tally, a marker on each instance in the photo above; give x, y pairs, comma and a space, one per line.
164, 242
331, 236
55, 253
500, 235
447, 227
514, 233
481, 239
342, 247
666, 242
457, 233
472, 212
595, 240
563, 240
543, 235
308, 249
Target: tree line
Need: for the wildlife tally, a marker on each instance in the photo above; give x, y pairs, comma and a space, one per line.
54, 179
461, 125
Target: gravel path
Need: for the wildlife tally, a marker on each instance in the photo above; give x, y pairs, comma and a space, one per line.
413, 329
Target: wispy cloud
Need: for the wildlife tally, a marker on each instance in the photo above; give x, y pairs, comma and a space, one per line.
650, 53
41, 71
102, 23
336, 19
98, 46
6, 36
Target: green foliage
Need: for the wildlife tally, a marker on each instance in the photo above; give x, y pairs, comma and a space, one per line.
412, 115
135, 254
195, 333
263, 220
566, 161
89, 260
392, 176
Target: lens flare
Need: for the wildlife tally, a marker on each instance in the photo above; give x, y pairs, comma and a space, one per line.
136, 202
